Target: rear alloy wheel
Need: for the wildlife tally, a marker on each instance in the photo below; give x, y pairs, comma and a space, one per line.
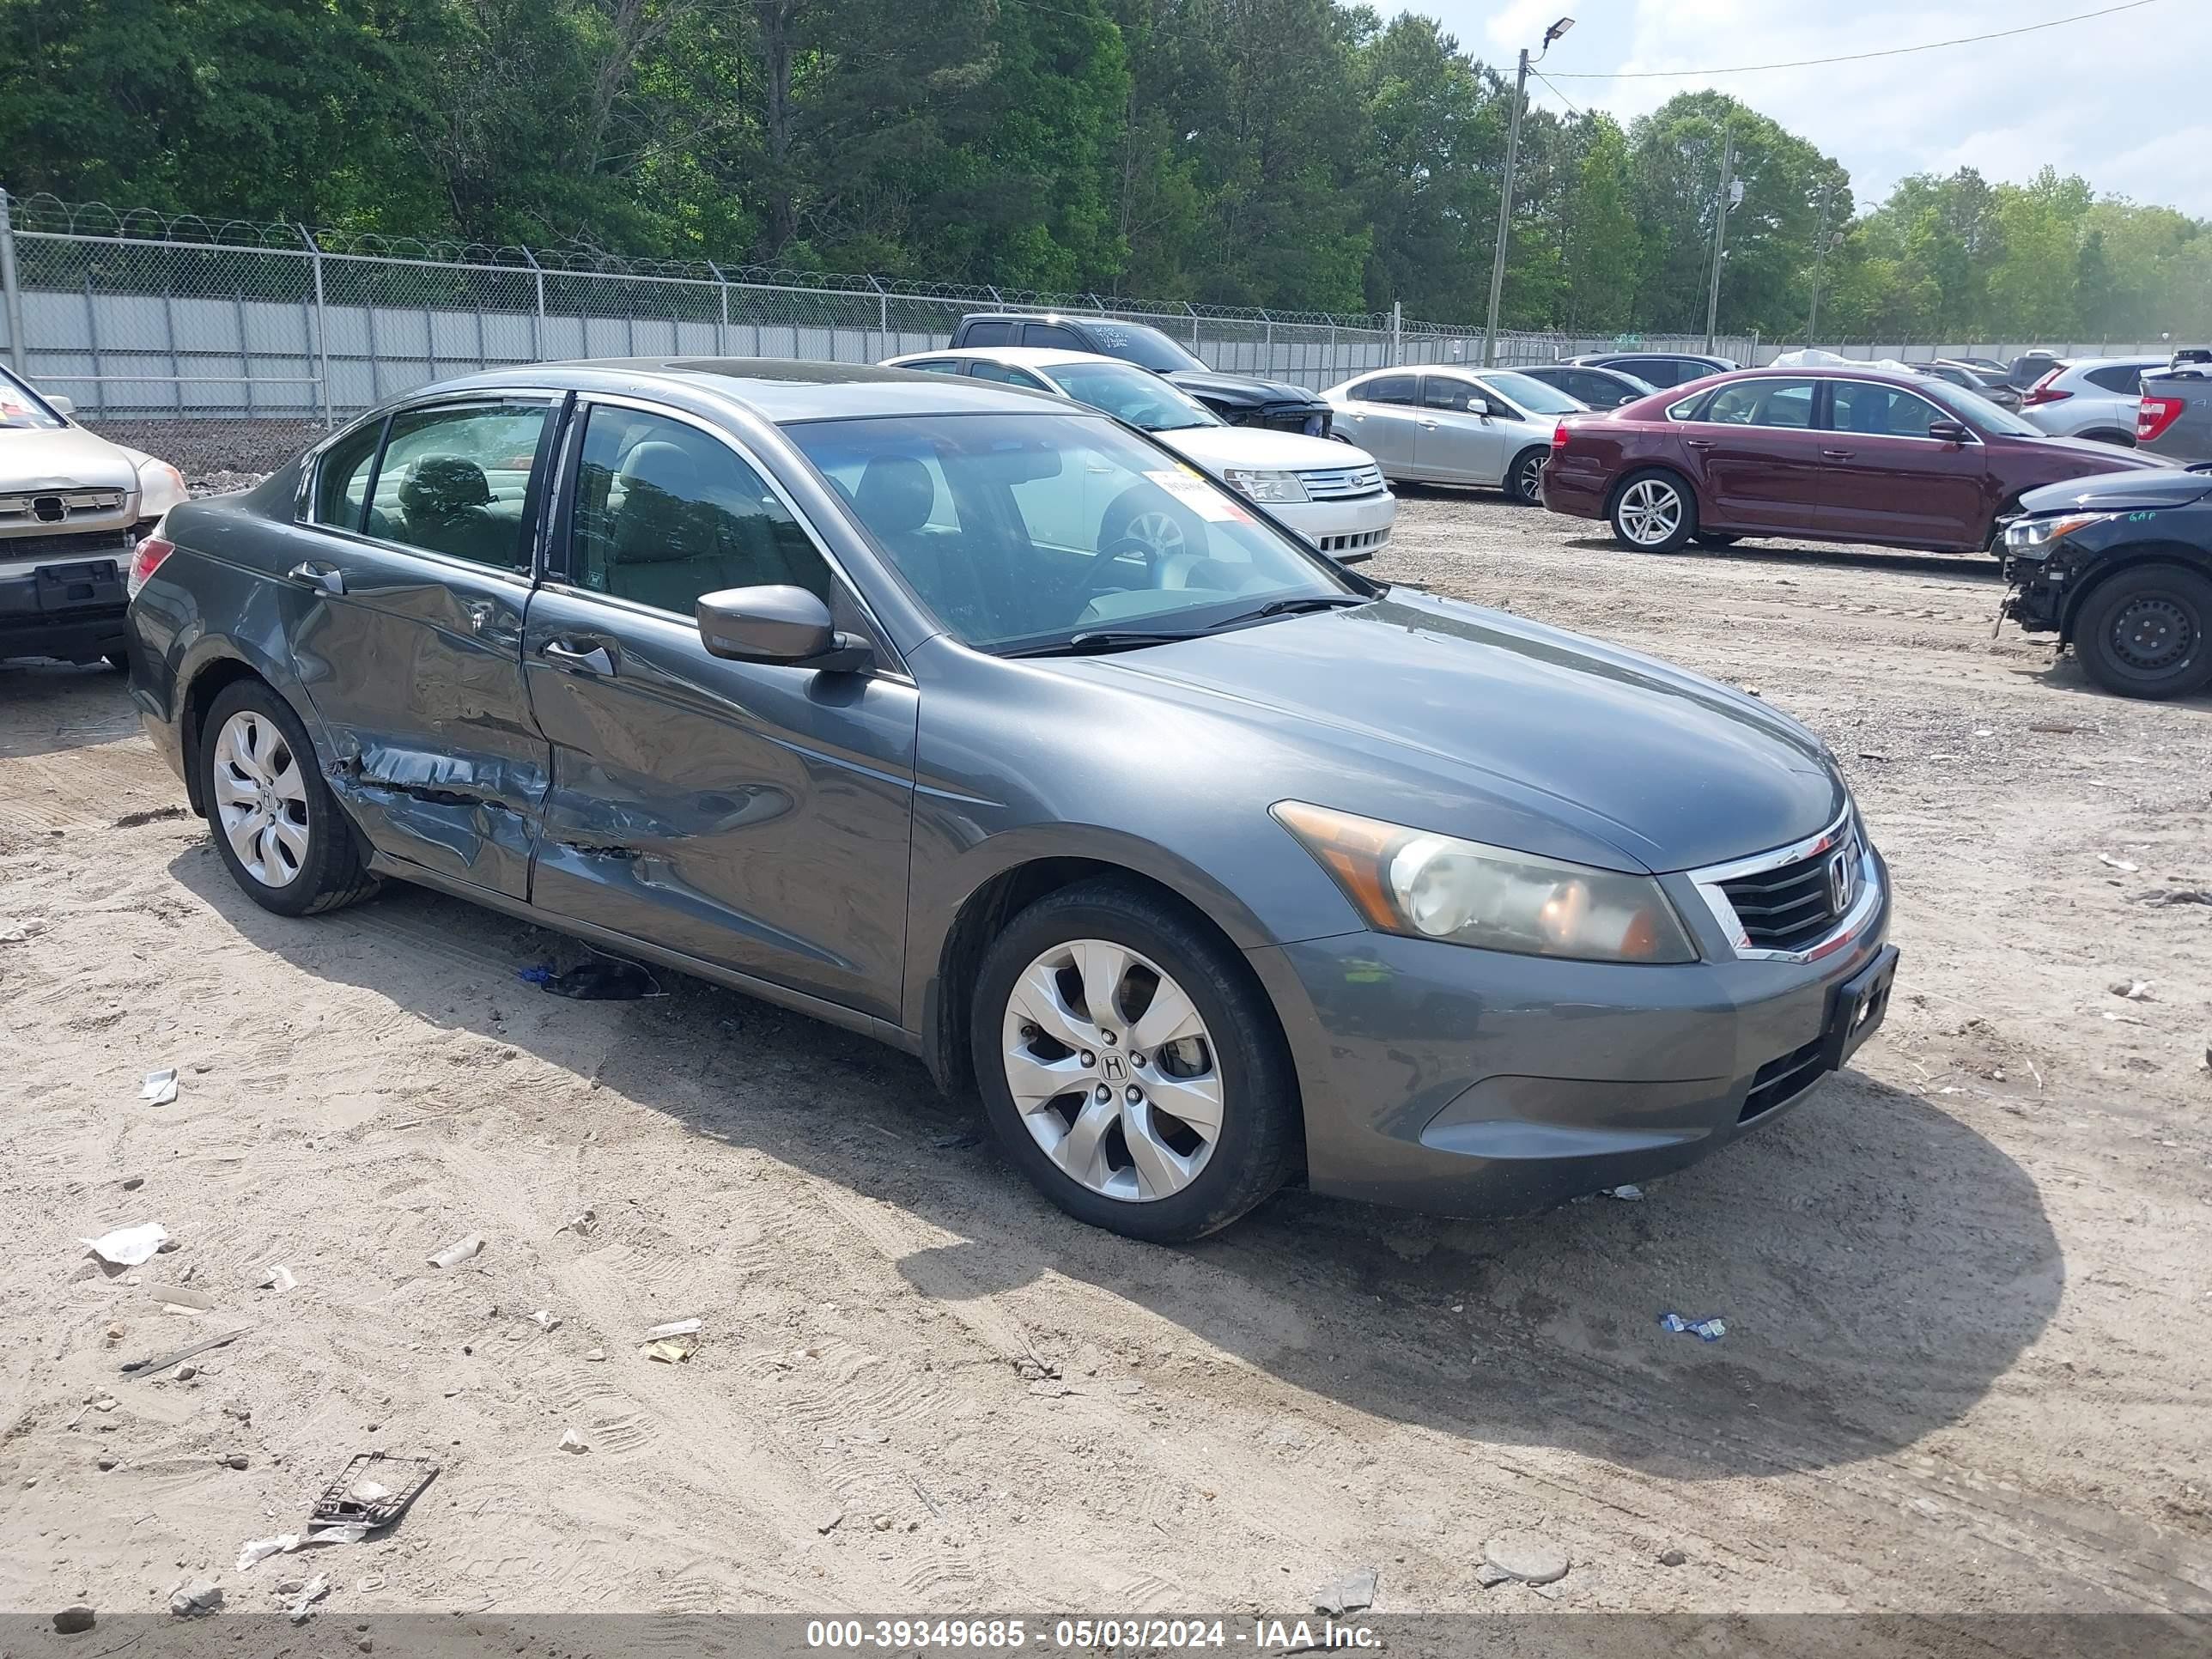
1131, 1065
2146, 632
1524, 483
276, 825
1654, 513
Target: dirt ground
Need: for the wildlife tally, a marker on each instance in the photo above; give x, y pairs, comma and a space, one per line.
1968, 1287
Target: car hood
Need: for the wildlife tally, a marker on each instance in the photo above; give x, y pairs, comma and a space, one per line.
1451, 718
2111, 457
59, 457
1239, 389
2120, 492
1216, 446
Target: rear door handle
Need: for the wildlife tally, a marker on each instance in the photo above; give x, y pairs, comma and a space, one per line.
1698, 443
323, 578
579, 656
1428, 426
1838, 454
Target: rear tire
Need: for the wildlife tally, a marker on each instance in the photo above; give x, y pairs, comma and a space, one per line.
1524, 479
1653, 512
277, 827
2146, 632
1107, 1155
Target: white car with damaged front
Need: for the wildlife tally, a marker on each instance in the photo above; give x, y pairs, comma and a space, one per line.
1329, 492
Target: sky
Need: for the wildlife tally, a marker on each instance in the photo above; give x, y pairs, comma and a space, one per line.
2120, 100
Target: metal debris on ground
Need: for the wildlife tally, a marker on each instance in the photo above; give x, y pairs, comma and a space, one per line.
373, 1490
201, 1596
1707, 1330
1627, 1192
310, 1592
159, 1087
2121, 864
604, 979
162, 1363
1348, 1592
128, 1247
459, 1251
1528, 1556
279, 1278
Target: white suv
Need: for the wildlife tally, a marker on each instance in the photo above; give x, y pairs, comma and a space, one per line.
2090, 398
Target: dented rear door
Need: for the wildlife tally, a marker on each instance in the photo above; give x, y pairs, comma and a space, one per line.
408, 633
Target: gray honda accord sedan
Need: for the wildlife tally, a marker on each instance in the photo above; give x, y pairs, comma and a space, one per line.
1208, 869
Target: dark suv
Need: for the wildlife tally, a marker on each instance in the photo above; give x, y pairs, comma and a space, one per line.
1239, 399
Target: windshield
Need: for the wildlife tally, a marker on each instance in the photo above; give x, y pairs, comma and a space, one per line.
1534, 395
1136, 343
1024, 530
1974, 407
20, 407
1135, 395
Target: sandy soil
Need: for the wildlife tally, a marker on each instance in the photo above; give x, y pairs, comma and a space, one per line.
1968, 1289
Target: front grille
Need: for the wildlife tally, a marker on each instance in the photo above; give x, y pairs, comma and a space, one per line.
1780, 1080
1791, 907
94, 544
55, 506
1357, 540
1339, 484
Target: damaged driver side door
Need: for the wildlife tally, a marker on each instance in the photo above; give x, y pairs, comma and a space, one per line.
406, 622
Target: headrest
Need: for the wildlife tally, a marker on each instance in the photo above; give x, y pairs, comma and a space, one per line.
441, 486
896, 494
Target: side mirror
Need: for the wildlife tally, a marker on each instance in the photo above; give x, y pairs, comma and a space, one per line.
1479, 406
1950, 432
59, 403
777, 624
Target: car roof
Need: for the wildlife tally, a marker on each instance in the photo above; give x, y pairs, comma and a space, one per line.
777, 390
2114, 362
1017, 356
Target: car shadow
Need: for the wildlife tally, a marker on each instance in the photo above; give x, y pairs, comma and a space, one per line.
2064, 675
56, 706
1879, 1265
1966, 567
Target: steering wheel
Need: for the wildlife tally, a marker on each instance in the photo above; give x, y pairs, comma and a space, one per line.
1094, 577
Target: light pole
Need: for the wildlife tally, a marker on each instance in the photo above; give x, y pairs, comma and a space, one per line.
1505, 194
1731, 194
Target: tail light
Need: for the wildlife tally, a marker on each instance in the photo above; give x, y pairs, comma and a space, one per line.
1559, 435
2155, 415
145, 560
2044, 392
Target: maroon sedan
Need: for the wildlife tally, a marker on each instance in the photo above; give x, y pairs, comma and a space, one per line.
1820, 454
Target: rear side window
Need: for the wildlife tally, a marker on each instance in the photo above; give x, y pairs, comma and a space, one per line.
457, 481
1053, 335
2119, 377
665, 513
341, 479
1660, 371
1763, 403
1386, 389
988, 334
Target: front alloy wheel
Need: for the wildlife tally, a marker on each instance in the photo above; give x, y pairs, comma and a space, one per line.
1112, 1070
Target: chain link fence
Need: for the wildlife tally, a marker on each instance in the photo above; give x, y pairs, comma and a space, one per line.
136, 316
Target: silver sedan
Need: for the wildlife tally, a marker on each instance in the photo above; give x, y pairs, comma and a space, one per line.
1456, 425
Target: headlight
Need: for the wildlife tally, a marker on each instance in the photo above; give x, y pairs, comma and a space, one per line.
2037, 533
1264, 486
1430, 886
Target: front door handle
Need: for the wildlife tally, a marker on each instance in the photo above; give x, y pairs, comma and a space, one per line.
579, 656
323, 578
1428, 426
1838, 454
1698, 443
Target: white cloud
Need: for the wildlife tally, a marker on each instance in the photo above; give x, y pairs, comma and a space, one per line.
2095, 97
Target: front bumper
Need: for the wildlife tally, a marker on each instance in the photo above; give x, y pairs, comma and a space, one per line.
1469, 1083
1355, 528
62, 603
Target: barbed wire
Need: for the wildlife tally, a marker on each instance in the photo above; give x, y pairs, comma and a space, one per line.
44, 214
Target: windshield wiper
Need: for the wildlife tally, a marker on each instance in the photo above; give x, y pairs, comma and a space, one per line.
1291, 607
1099, 642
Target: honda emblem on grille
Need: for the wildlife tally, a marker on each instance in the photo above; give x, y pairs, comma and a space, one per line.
1839, 882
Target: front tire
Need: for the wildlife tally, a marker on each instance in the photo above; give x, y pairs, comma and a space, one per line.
1653, 512
277, 827
1524, 479
2146, 632
1131, 1065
